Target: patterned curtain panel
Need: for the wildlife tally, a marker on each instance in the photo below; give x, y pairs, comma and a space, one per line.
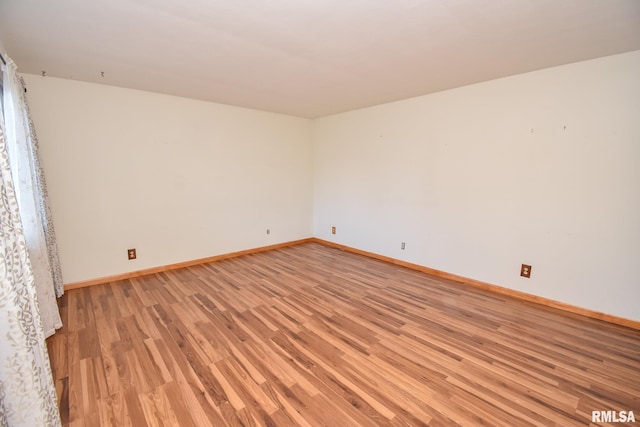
31, 192
27, 393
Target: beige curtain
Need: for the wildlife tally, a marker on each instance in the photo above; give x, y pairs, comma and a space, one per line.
27, 393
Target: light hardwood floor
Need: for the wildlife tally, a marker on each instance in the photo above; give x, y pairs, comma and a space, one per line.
310, 335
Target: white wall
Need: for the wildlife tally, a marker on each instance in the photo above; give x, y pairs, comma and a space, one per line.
176, 178
541, 168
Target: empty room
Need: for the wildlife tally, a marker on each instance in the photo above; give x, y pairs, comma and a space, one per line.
320, 213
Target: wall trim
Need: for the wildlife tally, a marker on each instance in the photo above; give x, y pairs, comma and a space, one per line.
634, 324
153, 270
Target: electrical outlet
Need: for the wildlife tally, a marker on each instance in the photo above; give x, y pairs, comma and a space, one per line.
525, 271
333, 230
402, 246
268, 231
131, 254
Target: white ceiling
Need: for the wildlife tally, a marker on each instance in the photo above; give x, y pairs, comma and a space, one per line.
309, 58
